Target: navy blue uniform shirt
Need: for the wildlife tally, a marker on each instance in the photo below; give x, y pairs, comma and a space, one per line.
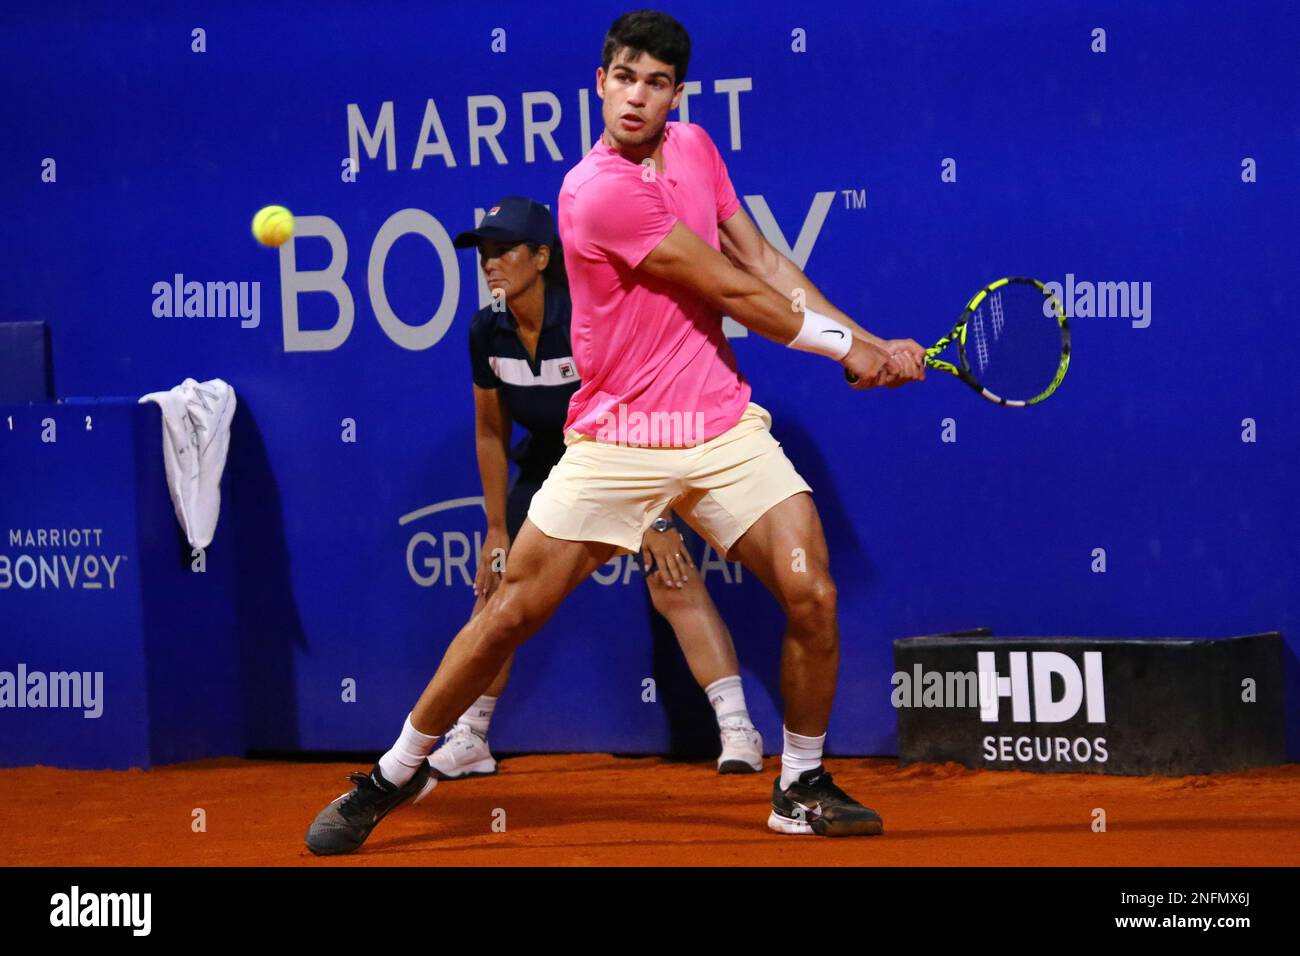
536, 390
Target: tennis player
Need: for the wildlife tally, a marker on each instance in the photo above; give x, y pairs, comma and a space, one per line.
523, 371
658, 249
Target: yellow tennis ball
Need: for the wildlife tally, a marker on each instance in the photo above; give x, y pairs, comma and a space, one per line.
273, 225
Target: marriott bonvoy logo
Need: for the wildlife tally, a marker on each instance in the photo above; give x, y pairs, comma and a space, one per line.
57, 559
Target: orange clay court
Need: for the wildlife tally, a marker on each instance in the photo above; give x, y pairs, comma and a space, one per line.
596, 809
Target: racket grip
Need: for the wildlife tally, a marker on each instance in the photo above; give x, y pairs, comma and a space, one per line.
850, 377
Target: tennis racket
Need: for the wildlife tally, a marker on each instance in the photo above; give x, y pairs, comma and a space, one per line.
1013, 344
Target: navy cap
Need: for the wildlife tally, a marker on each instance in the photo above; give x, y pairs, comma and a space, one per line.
513, 219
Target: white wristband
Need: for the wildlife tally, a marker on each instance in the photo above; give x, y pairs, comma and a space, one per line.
823, 335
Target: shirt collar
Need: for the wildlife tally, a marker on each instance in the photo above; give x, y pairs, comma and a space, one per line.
608, 150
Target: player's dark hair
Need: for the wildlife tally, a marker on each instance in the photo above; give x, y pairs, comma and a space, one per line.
649, 31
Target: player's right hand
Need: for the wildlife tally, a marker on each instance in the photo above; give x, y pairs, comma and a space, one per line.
486, 580
867, 364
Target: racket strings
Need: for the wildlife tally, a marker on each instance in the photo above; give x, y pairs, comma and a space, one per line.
981, 345
1014, 342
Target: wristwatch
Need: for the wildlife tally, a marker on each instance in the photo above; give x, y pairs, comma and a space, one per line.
662, 524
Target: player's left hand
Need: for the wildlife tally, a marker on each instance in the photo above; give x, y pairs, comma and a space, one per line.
672, 560
906, 362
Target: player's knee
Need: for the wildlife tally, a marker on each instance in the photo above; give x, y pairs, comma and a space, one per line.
511, 621
812, 601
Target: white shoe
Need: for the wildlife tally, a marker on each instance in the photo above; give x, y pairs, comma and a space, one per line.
463, 754
742, 747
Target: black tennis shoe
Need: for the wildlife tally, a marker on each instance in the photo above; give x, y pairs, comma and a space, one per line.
813, 804
344, 825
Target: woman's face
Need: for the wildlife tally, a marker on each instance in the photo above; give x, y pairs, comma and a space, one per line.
511, 268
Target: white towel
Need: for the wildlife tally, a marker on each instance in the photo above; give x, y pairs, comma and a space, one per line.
196, 436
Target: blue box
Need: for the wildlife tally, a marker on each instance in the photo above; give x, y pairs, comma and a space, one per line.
97, 580
26, 374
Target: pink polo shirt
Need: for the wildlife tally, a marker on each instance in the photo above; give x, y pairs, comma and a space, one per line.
656, 369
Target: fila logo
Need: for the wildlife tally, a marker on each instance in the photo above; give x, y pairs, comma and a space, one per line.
494, 210
1080, 689
567, 370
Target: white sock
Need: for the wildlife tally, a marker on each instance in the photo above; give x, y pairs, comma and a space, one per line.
728, 698
479, 715
404, 758
800, 754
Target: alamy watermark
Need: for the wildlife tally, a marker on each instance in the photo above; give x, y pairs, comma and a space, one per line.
1103, 300
212, 300
58, 689
74, 908
637, 429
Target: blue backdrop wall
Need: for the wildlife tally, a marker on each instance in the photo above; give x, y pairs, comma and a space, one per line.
836, 121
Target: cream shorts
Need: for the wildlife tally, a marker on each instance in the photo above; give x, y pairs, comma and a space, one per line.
612, 493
